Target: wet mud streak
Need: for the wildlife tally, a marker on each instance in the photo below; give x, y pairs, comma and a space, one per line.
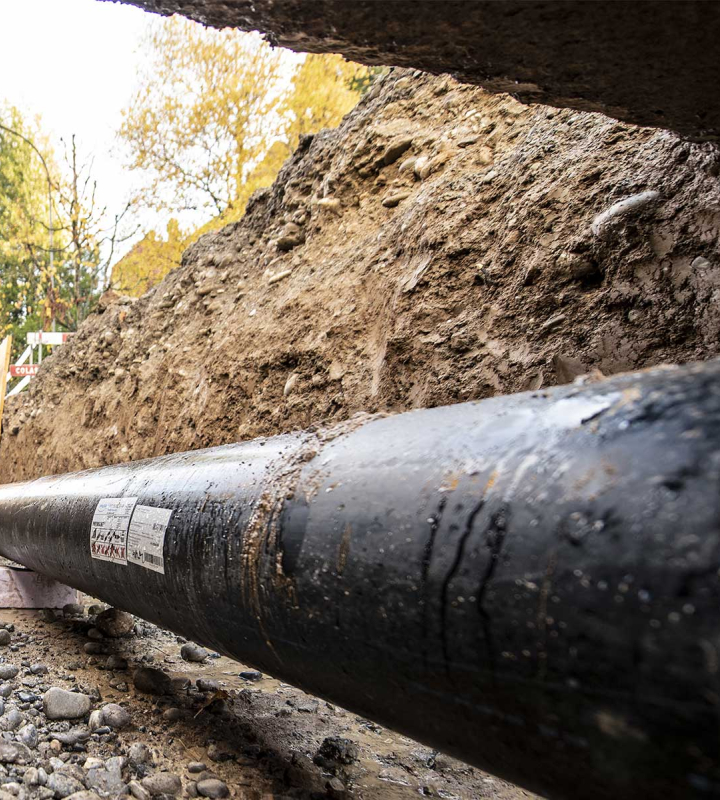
459, 553
494, 539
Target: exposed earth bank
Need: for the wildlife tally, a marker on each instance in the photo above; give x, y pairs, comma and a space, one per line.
441, 245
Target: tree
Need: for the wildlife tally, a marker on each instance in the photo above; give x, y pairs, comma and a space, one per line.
149, 260
26, 297
202, 115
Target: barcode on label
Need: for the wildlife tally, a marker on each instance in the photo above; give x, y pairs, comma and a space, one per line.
149, 558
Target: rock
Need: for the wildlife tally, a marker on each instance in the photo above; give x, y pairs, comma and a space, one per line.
29, 736
39, 669
394, 199
107, 780
11, 720
207, 685
395, 149
61, 704
95, 634
151, 681
96, 720
553, 322
138, 791
115, 662
64, 785
172, 714
162, 783
331, 204
35, 777
290, 383
196, 766
73, 610
251, 675
93, 648
139, 753
623, 208
291, 236
14, 753
115, 623
6, 690
577, 266
73, 737
218, 754
93, 763
193, 652
115, 716
8, 672
5, 637
84, 795
336, 750
212, 787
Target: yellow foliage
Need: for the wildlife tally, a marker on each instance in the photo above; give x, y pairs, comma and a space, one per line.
149, 261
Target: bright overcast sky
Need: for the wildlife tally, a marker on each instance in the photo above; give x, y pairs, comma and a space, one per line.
73, 63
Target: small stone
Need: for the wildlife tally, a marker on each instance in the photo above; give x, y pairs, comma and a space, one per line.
115, 623
553, 322
336, 749
96, 720
14, 753
35, 777
115, 716
138, 791
93, 763
290, 383
331, 204
291, 236
395, 149
64, 785
117, 663
196, 766
93, 648
83, 795
395, 199
5, 637
11, 720
151, 681
73, 610
8, 672
61, 704
218, 754
193, 652
162, 783
95, 634
29, 736
212, 787
251, 675
172, 715
6, 690
207, 685
139, 753
39, 669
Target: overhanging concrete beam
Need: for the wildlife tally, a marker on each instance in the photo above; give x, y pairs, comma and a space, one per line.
649, 62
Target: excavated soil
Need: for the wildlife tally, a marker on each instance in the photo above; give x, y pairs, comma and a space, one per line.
441, 245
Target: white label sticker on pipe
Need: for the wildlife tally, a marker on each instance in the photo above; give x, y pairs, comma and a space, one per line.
108, 532
146, 537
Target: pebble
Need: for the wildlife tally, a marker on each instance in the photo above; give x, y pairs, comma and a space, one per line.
395, 199
395, 149
151, 681
207, 685
84, 795
331, 204
93, 648
553, 322
96, 720
138, 791
115, 623
29, 736
5, 637
139, 753
217, 753
6, 690
116, 663
212, 787
61, 704
162, 783
14, 753
251, 675
196, 766
115, 716
35, 777
336, 749
8, 672
64, 785
172, 714
73, 610
621, 209
193, 652
11, 720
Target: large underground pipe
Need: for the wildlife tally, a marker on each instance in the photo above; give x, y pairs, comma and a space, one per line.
529, 582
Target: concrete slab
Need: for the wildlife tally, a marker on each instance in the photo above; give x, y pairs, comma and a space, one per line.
23, 588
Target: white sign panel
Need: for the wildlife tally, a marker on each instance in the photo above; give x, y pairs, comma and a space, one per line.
146, 537
108, 533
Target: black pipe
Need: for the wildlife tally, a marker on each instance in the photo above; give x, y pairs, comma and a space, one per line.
529, 583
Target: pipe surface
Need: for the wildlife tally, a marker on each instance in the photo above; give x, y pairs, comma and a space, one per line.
529, 583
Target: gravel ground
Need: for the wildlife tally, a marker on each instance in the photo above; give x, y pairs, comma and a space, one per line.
94, 703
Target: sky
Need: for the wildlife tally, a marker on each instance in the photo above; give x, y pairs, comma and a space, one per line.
74, 64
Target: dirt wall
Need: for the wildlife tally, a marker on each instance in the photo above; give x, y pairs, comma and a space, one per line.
443, 244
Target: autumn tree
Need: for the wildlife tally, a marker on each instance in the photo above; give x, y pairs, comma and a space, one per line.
149, 260
202, 116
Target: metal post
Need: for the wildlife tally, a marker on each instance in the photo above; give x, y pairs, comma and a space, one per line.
528, 582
